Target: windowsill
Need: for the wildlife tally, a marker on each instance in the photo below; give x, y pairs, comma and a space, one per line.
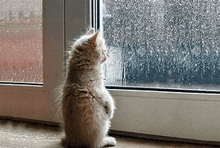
40, 135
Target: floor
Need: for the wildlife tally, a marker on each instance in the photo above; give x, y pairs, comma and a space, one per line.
14, 134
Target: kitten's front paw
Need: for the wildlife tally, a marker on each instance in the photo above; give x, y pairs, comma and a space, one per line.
108, 142
108, 110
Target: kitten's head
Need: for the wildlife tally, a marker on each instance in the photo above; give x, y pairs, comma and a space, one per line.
90, 47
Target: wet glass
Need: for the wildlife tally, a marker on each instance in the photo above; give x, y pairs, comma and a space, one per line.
162, 43
21, 58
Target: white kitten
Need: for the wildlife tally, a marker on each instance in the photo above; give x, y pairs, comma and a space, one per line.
87, 106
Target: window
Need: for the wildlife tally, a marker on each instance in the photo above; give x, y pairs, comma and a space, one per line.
163, 44
21, 41
164, 69
29, 69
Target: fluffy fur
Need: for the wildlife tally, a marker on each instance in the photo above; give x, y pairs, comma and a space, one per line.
87, 106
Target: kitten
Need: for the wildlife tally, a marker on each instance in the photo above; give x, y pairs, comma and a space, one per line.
87, 106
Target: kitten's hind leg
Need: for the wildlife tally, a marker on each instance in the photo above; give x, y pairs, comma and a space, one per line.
108, 141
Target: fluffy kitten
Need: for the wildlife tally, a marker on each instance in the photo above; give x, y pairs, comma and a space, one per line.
87, 106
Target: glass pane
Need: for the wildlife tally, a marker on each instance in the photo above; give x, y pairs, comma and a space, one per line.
21, 41
163, 44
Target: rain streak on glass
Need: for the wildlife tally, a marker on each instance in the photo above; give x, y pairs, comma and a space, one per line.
21, 41
163, 43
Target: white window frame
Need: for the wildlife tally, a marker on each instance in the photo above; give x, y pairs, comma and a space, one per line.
185, 115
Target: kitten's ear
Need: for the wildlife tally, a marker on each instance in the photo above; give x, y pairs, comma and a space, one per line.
93, 39
91, 31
